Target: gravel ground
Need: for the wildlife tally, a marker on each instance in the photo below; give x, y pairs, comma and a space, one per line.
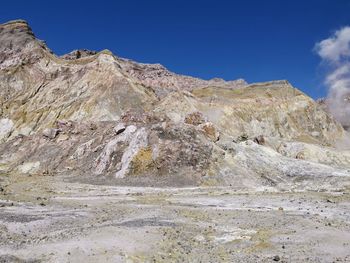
48, 219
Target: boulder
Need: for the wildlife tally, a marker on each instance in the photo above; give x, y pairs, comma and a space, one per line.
51, 133
119, 128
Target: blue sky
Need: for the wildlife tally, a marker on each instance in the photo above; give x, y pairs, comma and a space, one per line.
254, 40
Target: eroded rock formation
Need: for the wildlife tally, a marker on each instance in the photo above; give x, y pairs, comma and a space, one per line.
95, 115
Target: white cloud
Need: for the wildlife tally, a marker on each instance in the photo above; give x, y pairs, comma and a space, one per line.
335, 52
337, 47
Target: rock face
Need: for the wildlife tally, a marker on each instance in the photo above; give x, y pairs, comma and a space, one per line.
107, 117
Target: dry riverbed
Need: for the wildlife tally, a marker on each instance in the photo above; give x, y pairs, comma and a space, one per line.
48, 219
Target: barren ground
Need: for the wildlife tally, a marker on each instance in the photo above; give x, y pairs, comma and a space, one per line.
48, 219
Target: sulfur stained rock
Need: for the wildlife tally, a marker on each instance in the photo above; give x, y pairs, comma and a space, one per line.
210, 131
142, 161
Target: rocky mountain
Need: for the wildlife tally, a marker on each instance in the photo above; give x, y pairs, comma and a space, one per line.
93, 116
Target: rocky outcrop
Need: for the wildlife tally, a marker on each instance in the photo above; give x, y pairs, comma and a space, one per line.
96, 115
163, 81
79, 53
273, 109
18, 45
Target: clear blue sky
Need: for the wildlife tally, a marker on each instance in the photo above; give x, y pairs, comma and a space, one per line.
254, 40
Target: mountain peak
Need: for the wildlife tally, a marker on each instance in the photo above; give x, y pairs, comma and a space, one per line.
15, 22
15, 30
18, 44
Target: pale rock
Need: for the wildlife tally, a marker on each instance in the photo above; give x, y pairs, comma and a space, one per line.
104, 159
138, 141
82, 149
6, 127
29, 167
50, 133
26, 131
315, 153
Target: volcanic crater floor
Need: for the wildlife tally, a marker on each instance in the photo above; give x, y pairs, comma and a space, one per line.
49, 219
